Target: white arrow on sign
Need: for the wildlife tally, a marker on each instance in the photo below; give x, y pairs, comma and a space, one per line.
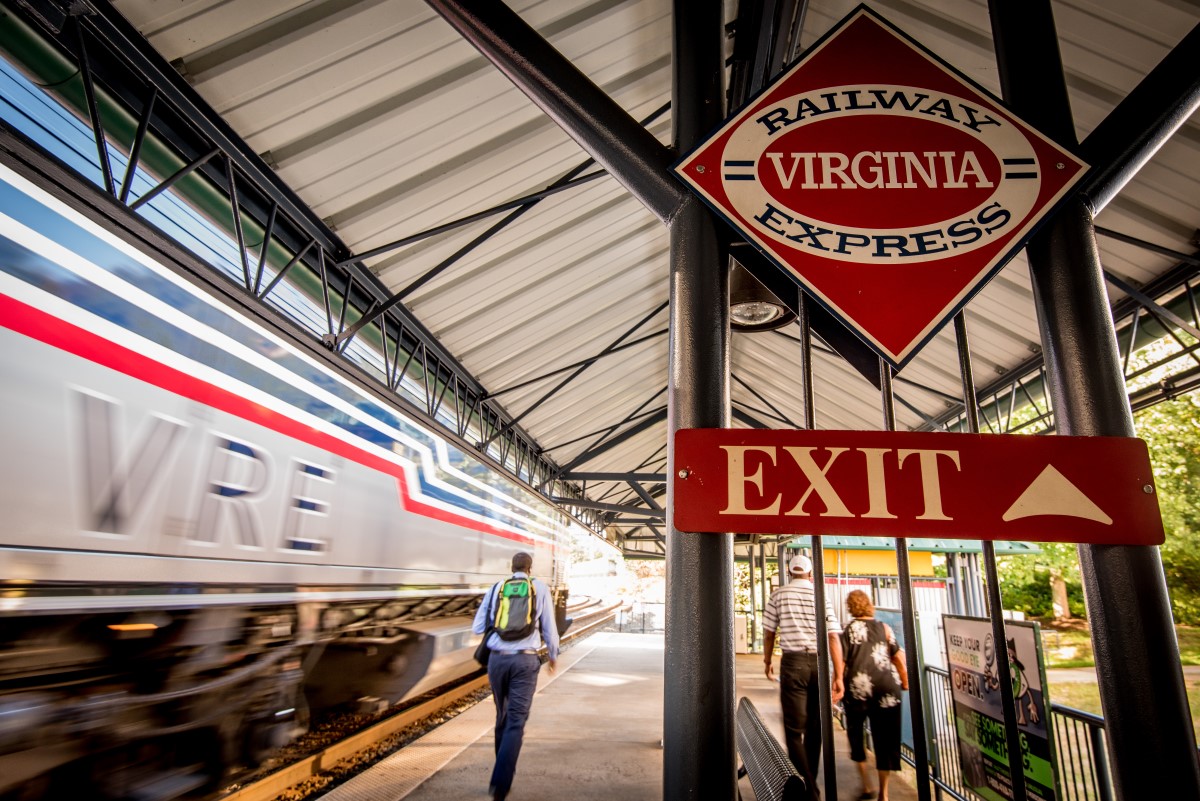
1051, 493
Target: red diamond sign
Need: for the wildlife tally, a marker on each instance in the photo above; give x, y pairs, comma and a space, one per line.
884, 182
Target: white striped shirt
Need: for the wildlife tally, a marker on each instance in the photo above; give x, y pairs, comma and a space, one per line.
791, 614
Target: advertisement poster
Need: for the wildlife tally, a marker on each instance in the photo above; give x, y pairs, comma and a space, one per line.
972, 656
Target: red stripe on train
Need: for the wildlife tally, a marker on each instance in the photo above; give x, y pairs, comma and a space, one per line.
39, 325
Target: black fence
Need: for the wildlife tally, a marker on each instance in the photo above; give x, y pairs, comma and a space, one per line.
1081, 761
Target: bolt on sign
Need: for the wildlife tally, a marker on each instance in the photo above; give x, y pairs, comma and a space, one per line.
1096, 490
881, 180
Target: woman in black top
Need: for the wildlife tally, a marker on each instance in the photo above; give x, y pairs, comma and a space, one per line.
875, 675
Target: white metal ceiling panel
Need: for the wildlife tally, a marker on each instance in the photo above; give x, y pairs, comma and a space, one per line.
387, 123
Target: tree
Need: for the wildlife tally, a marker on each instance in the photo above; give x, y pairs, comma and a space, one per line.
1026, 580
1172, 431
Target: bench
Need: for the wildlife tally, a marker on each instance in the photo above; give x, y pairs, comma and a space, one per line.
771, 773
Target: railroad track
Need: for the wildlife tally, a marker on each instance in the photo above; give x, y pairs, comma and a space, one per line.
587, 618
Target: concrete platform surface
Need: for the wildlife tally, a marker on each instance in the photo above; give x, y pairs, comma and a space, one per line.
594, 733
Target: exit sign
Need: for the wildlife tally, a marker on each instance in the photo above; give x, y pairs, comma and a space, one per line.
912, 484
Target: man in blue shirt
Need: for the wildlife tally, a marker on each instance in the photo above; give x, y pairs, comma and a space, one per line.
513, 670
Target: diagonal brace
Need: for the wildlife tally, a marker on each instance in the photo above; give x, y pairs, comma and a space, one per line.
629, 152
579, 370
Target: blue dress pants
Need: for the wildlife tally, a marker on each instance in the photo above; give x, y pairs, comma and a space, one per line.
514, 679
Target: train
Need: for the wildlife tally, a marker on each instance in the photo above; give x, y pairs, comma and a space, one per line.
210, 533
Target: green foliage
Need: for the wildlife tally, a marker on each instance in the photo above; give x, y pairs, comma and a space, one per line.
1025, 580
1172, 430
741, 585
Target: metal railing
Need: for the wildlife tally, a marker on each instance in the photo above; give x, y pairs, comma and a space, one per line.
1080, 761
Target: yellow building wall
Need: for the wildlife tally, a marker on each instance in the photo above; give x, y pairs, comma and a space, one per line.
875, 563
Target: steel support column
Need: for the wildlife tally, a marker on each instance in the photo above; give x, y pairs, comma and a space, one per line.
995, 606
699, 760
1148, 727
824, 680
765, 587
753, 603
908, 618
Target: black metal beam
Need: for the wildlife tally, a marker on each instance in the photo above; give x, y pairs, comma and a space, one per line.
742, 412
699, 758
583, 503
182, 172
519, 208
1168, 388
1151, 305
1148, 729
581, 363
646, 497
89, 91
615, 140
591, 453
568, 181
782, 417
109, 26
577, 372
767, 36
995, 603
561, 185
619, 477
1150, 246
601, 434
1134, 131
135, 151
916, 687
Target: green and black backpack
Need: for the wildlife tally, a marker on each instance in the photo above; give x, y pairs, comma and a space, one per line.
516, 609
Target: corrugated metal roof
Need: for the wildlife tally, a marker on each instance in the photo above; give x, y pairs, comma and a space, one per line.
386, 123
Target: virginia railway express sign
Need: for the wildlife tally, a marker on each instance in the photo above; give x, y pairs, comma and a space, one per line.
885, 183
916, 484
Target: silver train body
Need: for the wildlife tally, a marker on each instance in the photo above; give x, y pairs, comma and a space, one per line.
207, 531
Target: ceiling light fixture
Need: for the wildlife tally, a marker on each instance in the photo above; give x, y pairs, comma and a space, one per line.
753, 307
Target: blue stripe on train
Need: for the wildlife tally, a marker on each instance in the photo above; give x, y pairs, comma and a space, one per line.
43, 273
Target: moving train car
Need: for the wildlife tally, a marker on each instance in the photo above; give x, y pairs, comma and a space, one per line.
207, 531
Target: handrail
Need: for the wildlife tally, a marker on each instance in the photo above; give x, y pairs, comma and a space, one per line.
1090, 718
1081, 757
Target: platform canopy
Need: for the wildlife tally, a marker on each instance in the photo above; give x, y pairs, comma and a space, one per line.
382, 127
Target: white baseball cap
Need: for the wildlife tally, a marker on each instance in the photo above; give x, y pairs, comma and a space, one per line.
800, 565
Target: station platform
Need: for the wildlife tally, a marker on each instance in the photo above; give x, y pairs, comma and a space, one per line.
594, 733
